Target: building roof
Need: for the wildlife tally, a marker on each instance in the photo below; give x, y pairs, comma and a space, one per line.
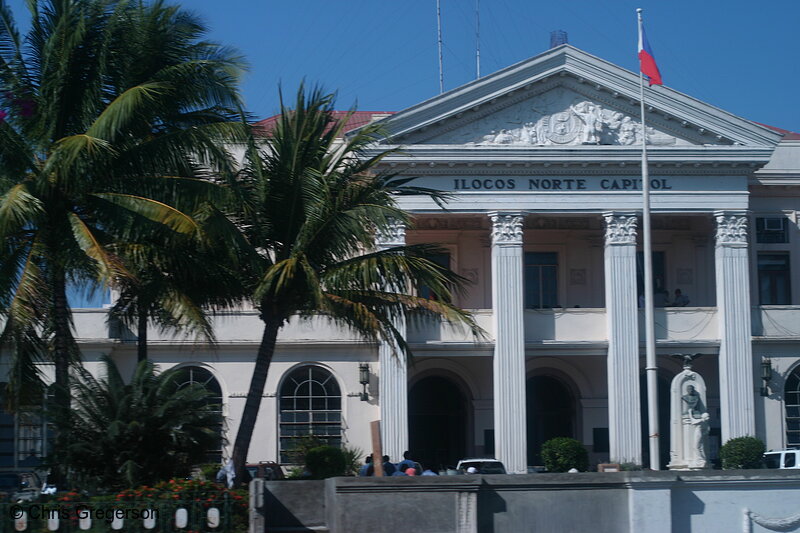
787, 135
356, 120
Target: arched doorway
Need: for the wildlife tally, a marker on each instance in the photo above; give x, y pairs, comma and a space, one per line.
791, 400
550, 412
437, 420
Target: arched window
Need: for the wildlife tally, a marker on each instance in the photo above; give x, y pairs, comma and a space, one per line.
197, 375
310, 406
792, 399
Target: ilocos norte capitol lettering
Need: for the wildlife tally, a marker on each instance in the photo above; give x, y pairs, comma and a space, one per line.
557, 184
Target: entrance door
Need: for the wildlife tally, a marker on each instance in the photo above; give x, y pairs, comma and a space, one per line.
437, 420
550, 411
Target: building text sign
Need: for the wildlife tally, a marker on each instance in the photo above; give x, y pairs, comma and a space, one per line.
566, 184
557, 184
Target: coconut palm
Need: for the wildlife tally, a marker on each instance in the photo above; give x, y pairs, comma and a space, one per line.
113, 113
127, 435
175, 288
311, 206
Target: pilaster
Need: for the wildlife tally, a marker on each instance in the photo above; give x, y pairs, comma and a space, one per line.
510, 433
736, 380
624, 418
393, 382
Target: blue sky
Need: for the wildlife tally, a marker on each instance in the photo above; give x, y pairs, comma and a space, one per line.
741, 56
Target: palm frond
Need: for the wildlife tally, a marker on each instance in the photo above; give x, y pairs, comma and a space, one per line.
109, 266
156, 211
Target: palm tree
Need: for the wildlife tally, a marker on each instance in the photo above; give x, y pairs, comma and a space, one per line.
113, 114
127, 435
311, 206
175, 286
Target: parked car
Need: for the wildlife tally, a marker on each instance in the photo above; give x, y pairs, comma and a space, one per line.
481, 466
20, 486
268, 470
784, 459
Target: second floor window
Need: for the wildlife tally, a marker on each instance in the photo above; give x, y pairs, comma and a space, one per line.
541, 280
772, 230
443, 260
774, 287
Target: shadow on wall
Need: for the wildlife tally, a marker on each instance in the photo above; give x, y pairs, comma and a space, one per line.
685, 504
490, 503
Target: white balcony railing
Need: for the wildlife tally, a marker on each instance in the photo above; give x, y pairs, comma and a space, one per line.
678, 324
683, 324
567, 325
776, 321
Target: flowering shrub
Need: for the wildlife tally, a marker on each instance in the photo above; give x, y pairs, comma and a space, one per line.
197, 495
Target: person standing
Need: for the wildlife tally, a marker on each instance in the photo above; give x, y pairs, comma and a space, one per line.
388, 466
364, 471
409, 462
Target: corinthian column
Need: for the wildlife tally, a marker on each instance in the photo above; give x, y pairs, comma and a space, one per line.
393, 382
736, 384
624, 421
509, 349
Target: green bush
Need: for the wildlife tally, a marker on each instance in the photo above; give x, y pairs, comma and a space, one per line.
563, 453
300, 447
353, 457
742, 453
325, 461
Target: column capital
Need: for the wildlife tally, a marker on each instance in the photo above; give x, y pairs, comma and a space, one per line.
620, 228
731, 228
506, 227
394, 234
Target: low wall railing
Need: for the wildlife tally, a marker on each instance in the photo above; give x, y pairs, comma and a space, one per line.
184, 516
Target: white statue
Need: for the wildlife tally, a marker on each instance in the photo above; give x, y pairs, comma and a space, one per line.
592, 121
627, 131
689, 421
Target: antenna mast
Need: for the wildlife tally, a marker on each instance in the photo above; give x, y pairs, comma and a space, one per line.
439, 30
477, 39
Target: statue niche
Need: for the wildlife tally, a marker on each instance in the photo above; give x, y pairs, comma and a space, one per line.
689, 420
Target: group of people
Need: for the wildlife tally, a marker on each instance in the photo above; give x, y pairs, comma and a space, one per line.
662, 299
406, 467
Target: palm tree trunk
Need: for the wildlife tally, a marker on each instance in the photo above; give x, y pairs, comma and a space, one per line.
141, 334
62, 338
248, 421
63, 344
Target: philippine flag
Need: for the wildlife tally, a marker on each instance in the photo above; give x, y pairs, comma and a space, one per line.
647, 61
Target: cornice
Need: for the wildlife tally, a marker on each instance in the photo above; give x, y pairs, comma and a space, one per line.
432, 160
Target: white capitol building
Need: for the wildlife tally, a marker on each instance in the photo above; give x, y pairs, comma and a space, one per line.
542, 160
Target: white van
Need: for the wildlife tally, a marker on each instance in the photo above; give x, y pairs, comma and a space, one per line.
785, 459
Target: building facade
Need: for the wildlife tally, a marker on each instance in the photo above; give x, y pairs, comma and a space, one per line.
542, 161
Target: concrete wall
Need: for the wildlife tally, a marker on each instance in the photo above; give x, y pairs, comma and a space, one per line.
636, 502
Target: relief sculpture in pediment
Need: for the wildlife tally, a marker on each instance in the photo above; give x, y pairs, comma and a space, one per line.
581, 123
556, 118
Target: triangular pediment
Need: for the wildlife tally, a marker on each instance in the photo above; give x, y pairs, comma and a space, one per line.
566, 97
558, 116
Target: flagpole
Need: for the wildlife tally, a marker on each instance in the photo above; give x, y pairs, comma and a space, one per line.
651, 367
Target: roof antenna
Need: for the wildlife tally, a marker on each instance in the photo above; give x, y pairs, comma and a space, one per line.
477, 39
439, 31
557, 38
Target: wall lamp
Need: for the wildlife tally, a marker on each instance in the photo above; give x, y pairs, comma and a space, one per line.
363, 378
766, 375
